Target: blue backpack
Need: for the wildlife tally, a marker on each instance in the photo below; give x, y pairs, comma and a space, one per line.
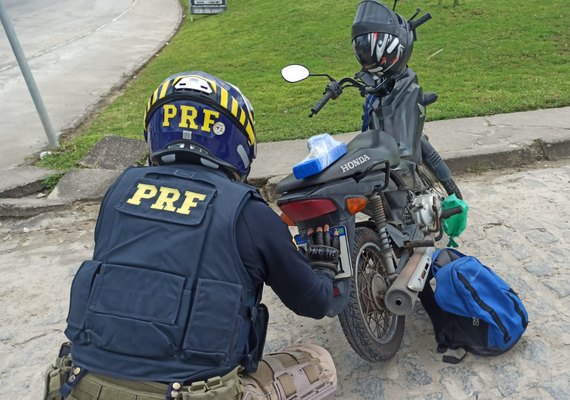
472, 307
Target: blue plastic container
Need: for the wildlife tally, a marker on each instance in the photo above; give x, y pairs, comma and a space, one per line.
323, 151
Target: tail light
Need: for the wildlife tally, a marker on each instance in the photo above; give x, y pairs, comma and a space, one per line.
303, 210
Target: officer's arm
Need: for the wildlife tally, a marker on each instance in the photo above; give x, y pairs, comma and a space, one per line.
267, 249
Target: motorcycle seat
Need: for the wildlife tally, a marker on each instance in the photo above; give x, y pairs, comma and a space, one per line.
362, 152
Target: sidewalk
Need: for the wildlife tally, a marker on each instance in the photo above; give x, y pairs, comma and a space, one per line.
497, 141
469, 144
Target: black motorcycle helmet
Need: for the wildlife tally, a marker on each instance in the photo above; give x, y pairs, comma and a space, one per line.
381, 39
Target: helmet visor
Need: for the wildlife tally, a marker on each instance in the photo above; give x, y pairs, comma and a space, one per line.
369, 50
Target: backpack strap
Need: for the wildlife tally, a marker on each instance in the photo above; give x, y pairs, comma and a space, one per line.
443, 257
452, 356
437, 316
434, 311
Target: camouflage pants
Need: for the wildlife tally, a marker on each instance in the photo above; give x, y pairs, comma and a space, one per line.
297, 372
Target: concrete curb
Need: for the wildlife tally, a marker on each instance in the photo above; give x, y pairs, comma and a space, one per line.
83, 185
24, 181
554, 149
539, 150
29, 207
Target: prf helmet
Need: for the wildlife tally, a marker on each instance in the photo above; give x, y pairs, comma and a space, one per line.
194, 117
381, 39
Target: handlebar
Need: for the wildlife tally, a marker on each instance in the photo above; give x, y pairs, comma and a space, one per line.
365, 82
451, 212
420, 21
333, 90
321, 103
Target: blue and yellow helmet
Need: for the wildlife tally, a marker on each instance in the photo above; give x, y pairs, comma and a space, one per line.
196, 117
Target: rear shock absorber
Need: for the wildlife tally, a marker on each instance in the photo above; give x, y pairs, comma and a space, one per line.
379, 216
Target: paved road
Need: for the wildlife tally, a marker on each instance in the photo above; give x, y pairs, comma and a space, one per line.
519, 225
78, 50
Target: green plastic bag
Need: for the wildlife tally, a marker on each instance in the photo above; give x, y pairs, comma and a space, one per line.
456, 224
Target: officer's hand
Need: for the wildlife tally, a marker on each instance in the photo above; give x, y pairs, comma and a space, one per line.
323, 251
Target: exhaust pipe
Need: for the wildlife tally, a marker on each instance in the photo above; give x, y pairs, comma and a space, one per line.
403, 293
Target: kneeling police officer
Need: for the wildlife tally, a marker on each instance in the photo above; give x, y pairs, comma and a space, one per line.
169, 306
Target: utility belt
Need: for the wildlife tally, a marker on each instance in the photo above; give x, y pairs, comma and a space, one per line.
87, 385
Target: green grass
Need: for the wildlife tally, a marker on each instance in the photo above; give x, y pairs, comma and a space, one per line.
51, 181
492, 57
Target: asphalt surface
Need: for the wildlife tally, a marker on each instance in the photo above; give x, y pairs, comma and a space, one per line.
78, 51
519, 225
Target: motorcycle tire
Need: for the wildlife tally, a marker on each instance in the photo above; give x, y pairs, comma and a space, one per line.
373, 332
446, 188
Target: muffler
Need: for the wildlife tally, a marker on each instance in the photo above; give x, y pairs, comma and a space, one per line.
403, 293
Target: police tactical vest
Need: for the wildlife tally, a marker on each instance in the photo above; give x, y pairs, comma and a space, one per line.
166, 296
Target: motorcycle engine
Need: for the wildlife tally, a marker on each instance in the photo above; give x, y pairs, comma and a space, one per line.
423, 209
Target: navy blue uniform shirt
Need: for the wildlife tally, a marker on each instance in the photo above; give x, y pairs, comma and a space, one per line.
269, 254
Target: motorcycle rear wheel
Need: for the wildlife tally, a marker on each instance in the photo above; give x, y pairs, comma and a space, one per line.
373, 332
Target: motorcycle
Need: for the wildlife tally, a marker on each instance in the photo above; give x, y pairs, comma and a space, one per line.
383, 198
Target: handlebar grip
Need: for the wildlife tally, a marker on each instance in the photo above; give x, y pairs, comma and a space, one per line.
422, 20
451, 212
422, 243
321, 103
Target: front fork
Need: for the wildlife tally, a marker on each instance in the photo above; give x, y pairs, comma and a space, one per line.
432, 160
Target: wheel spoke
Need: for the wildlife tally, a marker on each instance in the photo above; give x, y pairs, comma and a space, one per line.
371, 330
369, 272
366, 296
377, 321
379, 331
372, 321
386, 318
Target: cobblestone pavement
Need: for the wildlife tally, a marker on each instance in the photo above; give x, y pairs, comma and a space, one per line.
518, 225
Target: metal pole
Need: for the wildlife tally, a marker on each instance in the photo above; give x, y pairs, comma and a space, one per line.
29, 78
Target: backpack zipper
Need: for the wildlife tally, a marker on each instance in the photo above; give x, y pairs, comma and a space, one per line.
485, 306
518, 308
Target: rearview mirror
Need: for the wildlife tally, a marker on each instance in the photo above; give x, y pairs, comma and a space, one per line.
295, 73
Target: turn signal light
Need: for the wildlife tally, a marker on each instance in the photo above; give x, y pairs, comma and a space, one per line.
285, 218
356, 204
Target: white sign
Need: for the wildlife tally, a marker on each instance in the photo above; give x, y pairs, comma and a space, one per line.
207, 6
